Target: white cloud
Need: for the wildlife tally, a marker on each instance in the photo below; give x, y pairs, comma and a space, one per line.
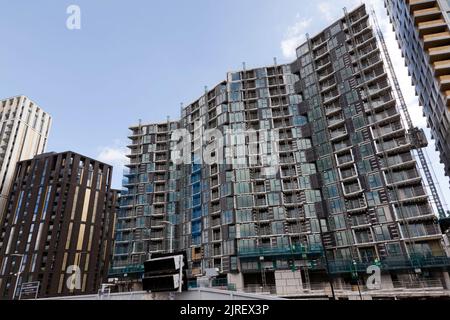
326, 10
114, 155
294, 36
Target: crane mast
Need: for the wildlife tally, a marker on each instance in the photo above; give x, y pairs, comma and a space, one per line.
417, 135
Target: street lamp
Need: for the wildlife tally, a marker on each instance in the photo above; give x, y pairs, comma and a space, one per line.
18, 272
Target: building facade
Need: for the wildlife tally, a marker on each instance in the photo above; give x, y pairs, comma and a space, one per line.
302, 172
422, 28
148, 205
58, 226
24, 128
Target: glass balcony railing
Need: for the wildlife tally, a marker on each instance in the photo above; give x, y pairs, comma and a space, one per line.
280, 250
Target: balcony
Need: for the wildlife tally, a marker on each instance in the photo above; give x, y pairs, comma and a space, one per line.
339, 133
327, 85
156, 248
356, 205
335, 120
410, 194
259, 188
260, 202
375, 90
287, 160
411, 232
288, 172
216, 236
442, 67
414, 212
323, 63
342, 145
404, 160
291, 199
320, 53
332, 109
363, 237
360, 28
384, 117
439, 53
367, 51
402, 178
433, 26
370, 77
344, 159
125, 226
427, 14
360, 221
379, 103
364, 39
371, 63
447, 97
326, 73
352, 190
393, 129
436, 39
421, 4
290, 186
348, 174
444, 82
393, 146
294, 215
157, 224
263, 217
157, 236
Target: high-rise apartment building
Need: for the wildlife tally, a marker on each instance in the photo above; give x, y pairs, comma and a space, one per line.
58, 226
423, 32
302, 172
148, 206
24, 129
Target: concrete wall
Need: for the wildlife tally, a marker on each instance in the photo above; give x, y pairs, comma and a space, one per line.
288, 282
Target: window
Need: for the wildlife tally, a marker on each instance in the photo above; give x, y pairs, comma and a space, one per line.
373, 198
247, 230
364, 166
338, 222
336, 205
343, 238
383, 214
325, 163
300, 120
310, 211
357, 137
382, 233
244, 201
359, 122
304, 144
275, 185
308, 169
244, 216
305, 182
313, 196
227, 217
235, 76
366, 150
274, 199
242, 188
374, 180
329, 176
331, 191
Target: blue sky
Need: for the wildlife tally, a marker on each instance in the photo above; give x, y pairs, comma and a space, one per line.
140, 59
